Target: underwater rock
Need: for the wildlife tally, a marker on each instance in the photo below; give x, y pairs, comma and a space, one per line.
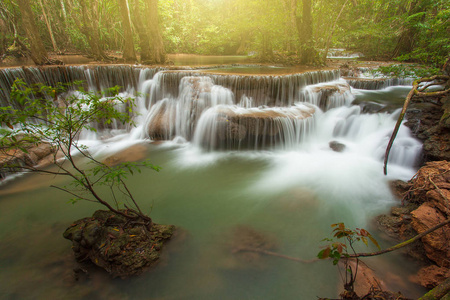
112, 242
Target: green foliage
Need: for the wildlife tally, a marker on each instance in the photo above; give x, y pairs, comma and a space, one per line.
337, 250
38, 114
405, 71
432, 38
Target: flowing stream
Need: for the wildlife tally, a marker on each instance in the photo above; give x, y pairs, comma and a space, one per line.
239, 154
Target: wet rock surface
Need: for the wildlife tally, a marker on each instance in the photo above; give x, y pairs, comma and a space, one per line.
429, 121
122, 247
426, 204
336, 146
38, 155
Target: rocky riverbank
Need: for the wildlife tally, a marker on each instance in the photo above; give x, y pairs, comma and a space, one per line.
425, 198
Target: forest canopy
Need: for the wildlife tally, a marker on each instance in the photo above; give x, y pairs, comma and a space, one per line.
407, 30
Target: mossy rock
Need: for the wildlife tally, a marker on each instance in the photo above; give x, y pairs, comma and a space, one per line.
112, 242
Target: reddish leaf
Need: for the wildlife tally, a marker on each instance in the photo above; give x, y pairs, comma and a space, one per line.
325, 253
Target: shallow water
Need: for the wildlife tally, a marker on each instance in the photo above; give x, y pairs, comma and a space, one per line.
291, 197
290, 194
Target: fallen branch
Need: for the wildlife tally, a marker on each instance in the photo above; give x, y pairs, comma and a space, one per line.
403, 244
271, 253
396, 247
415, 91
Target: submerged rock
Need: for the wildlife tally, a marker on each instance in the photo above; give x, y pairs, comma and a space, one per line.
122, 247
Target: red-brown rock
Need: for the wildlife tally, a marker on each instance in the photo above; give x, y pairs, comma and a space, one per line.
431, 276
436, 243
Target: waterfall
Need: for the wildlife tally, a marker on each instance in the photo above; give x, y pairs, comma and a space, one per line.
327, 95
213, 112
377, 83
233, 127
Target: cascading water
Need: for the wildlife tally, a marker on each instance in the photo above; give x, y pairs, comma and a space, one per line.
286, 155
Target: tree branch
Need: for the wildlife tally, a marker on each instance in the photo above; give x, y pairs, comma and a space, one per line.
414, 91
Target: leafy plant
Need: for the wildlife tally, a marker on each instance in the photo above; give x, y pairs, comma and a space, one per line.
337, 250
405, 71
43, 114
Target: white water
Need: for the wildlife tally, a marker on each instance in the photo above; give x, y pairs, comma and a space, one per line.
194, 115
294, 189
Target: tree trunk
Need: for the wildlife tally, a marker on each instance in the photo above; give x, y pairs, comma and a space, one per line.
3, 40
49, 27
305, 33
144, 42
38, 53
405, 42
90, 28
129, 55
157, 45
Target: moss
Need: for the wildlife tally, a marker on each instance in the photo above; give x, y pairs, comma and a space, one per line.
113, 243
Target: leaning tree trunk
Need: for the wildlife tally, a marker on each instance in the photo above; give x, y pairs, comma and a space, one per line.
129, 55
144, 41
49, 26
157, 44
38, 53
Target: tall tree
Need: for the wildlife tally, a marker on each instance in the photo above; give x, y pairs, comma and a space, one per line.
305, 31
37, 50
144, 42
158, 53
89, 26
49, 26
129, 55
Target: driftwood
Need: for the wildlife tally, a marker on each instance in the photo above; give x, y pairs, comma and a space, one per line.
416, 91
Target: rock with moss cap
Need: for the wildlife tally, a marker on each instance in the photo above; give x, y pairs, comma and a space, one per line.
122, 247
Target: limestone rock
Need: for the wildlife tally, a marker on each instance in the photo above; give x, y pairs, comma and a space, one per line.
431, 276
437, 243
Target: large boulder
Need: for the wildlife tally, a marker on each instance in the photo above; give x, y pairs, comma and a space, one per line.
436, 243
121, 246
429, 122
